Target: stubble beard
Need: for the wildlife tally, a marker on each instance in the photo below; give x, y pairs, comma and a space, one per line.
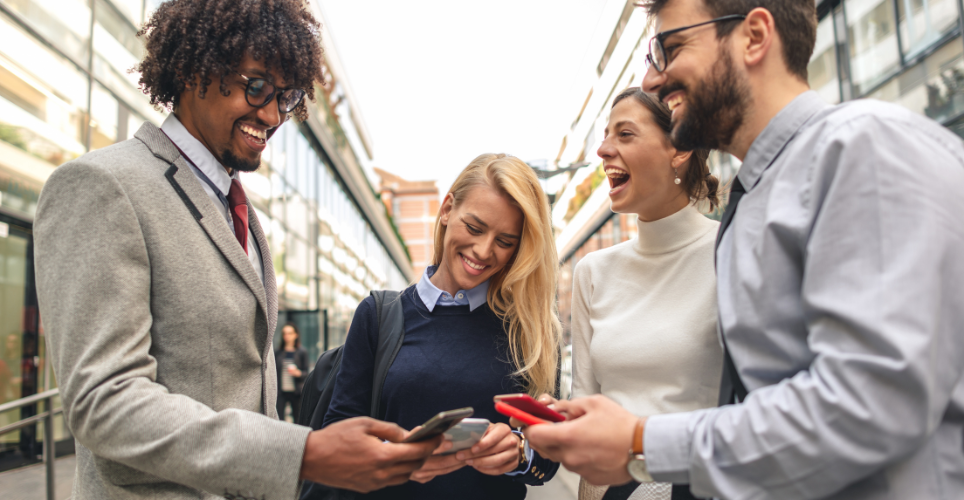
715, 109
230, 160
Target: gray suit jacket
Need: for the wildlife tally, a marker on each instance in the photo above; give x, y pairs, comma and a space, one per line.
160, 332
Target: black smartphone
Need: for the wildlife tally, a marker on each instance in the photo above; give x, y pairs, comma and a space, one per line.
439, 424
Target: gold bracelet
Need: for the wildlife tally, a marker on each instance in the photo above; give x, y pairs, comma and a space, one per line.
523, 459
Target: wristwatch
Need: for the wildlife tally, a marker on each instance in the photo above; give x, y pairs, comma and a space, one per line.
637, 461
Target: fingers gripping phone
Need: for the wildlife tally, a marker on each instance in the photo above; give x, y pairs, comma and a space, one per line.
525, 403
439, 424
466, 433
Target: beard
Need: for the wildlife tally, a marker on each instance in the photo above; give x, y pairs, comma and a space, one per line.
714, 109
230, 160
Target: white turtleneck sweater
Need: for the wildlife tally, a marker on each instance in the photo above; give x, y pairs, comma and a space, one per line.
644, 318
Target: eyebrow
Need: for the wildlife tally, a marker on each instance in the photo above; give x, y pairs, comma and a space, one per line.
483, 224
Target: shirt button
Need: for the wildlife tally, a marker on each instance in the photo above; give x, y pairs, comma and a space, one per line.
460, 295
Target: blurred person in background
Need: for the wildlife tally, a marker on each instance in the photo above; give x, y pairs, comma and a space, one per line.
839, 282
644, 311
156, 284
291, 361
480, 322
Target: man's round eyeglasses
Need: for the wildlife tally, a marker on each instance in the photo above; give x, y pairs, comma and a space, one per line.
657, 53
259, 92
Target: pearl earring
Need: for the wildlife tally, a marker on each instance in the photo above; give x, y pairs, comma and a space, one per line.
677, 181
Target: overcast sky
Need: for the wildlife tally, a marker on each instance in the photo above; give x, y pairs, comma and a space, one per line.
441, 81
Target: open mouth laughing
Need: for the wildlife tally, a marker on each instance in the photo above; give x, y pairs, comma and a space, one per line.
617, 179
255, 137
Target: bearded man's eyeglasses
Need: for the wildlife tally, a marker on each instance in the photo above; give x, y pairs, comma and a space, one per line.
259, 92
657, 52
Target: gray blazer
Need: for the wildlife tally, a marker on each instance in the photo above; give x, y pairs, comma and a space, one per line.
160, 332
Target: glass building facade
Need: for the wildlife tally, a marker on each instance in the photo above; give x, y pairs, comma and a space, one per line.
66, 89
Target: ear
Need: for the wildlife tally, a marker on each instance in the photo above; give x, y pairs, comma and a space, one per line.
680, 158
446, 209
759, 36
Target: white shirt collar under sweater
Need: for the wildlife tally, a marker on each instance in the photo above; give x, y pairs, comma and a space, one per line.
671, 233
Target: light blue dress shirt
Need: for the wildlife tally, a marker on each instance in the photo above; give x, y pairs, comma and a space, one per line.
432, 296
841, 297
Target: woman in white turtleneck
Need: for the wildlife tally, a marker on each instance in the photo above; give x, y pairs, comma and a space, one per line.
644, 311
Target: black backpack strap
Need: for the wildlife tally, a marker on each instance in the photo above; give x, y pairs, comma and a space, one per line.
391, 332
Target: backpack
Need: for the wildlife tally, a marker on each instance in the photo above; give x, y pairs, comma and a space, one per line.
320, 382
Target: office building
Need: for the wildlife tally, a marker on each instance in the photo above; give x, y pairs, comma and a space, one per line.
413, 205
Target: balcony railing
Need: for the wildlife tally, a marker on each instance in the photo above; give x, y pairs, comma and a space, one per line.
47, 416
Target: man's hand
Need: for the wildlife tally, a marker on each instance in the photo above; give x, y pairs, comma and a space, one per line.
496, 453
351, 454
593, 442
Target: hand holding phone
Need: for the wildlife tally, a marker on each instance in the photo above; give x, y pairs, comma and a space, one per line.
439, 424
465, 434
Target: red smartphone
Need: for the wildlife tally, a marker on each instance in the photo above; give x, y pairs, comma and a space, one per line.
511, 411
525, 403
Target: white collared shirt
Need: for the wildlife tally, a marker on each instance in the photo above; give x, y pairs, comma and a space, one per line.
205, 162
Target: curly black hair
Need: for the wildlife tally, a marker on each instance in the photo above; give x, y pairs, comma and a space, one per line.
188, 39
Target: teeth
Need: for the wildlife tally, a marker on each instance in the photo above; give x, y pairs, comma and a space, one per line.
473, 266
674, 102
254, 132
615, 172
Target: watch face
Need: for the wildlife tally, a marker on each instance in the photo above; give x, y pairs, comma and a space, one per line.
637, 469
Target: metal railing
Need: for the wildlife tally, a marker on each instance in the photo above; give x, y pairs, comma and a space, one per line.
48, 418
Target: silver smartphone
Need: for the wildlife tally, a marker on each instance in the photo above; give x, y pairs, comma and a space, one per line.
466, 433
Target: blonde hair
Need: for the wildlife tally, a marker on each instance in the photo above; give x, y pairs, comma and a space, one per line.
523, 293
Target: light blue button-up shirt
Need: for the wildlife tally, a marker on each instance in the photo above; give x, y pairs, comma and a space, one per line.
840, 295
432, 296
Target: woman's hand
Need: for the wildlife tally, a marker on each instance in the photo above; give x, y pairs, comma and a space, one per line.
545, 399
294, 371
437, 464
496, 453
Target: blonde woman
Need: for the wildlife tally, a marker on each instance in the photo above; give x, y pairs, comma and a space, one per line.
480, 322
644, 311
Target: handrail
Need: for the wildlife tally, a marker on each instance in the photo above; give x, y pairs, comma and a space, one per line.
29, 400
48, 418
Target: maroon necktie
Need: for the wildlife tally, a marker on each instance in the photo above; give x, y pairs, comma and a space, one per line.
239, 213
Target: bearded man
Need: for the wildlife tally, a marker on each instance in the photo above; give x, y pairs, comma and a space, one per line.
156, 282
839, 287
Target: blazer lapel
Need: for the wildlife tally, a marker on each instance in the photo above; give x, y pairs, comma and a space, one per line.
188, 187
270, 282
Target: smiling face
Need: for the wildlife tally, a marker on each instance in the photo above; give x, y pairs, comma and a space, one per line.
481, 236
234, 131
701, 85
639, 159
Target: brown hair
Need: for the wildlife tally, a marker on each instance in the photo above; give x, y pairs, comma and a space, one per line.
796, 21
697, 181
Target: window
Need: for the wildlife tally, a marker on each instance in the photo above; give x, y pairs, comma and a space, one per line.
823, 65
873, 42
928, 21
934, 87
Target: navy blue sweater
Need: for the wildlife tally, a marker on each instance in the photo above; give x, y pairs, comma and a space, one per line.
450, 358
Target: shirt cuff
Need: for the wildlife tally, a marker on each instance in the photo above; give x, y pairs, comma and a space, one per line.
529, 455
667, 445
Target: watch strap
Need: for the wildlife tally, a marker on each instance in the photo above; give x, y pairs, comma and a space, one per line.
637, 448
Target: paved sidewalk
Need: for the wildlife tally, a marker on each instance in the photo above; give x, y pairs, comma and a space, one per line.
563, 486
30, 483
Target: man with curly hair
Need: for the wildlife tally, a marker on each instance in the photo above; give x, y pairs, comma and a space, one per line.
156, 282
